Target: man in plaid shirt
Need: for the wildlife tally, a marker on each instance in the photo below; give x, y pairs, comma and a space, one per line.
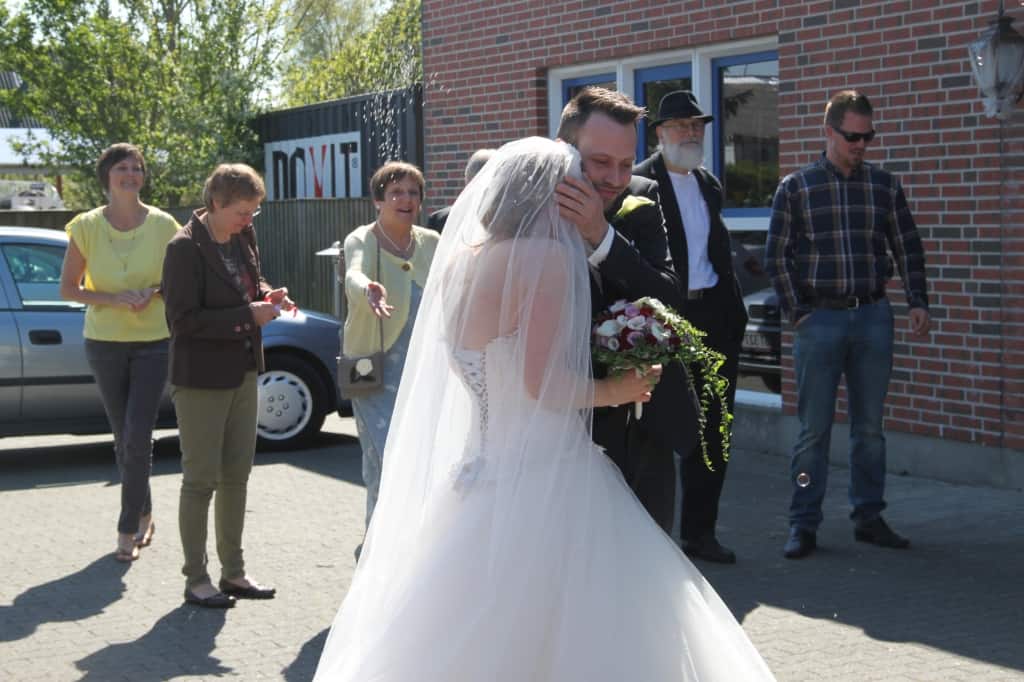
834, 224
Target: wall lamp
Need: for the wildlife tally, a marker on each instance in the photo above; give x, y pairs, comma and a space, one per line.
997, 59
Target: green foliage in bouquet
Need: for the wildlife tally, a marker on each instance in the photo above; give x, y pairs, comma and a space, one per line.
632, 336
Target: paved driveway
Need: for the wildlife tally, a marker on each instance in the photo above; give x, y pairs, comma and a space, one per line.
949, 609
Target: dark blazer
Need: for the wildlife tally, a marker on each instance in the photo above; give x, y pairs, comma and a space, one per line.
209, 317
437, 219
719, 243
640, 264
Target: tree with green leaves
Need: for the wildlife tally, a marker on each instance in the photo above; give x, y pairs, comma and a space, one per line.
388, 56
179, 78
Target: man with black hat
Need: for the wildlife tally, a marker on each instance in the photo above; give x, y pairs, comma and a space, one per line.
691, 199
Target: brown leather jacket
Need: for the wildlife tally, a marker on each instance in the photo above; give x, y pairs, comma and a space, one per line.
209, 318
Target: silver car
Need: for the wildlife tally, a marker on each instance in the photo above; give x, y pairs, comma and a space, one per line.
45, 382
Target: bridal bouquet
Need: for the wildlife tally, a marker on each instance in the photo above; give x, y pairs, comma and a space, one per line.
632, 336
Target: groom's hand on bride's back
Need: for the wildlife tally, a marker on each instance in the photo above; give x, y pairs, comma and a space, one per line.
582, 205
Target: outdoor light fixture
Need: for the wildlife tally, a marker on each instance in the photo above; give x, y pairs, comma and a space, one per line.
997, 59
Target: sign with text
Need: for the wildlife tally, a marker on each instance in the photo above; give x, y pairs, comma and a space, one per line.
322, 167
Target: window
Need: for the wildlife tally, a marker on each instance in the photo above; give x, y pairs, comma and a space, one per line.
737, 83
745, 93
36, 272
572, 86
650, 85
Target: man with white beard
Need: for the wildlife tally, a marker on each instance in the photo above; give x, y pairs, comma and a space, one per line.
691, 199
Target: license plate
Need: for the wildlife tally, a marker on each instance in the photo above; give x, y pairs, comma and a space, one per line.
756, 341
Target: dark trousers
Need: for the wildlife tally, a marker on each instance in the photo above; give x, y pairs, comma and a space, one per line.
131, 377
648, 469
702, 488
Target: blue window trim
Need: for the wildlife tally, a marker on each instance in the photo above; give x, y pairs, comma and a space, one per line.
653, 73
569, 83
717, 65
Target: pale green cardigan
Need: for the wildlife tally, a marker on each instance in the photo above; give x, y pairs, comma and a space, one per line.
361, 328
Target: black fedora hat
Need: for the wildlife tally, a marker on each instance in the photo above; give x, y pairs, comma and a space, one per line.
679, 104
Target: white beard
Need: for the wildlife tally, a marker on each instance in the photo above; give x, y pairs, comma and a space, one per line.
688, 155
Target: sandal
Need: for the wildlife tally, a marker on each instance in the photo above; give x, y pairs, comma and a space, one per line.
144, 537
127, 550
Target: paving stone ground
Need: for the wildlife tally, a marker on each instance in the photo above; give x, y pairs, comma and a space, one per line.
950, 608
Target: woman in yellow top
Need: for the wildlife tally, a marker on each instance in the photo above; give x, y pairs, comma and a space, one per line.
387, 298
119, 250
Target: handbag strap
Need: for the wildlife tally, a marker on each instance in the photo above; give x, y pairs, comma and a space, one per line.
380, 320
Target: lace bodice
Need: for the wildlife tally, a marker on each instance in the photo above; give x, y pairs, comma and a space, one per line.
472, 366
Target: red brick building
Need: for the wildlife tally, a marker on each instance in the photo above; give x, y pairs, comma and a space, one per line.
497, 70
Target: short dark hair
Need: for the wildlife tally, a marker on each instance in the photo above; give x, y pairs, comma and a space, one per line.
616, 105
231, 182
844, 101
113, 155
394, 171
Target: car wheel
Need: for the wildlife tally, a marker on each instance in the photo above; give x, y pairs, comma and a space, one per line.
292, 400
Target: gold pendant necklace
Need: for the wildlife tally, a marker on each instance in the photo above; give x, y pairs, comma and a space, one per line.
123, 245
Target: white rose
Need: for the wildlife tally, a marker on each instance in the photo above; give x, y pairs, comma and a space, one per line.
637, 323
618, 306
612, 343
608, 328
622, 320
364, 366
658, 331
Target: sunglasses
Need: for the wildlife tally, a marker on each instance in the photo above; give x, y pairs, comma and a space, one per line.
855, 137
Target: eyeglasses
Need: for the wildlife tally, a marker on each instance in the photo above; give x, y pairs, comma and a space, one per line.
249, 215
396, 194
855, 137
694, 126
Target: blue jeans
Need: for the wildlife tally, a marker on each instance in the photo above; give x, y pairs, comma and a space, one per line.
827, 345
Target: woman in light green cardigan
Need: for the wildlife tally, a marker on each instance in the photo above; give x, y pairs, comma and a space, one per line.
389, 297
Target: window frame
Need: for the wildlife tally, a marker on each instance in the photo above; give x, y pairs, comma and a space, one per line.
718, 63
640, 78
702, 62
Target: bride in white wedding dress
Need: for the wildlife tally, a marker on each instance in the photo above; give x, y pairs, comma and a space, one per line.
505, 546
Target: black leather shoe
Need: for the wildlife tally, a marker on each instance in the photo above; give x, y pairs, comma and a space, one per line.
217, 601
252, 591
709, 549
801, 542
877, 532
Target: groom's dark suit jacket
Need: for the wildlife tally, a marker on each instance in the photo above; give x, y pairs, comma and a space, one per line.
639, 264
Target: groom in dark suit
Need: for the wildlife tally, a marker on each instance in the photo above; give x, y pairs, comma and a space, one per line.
698, 240
620, 220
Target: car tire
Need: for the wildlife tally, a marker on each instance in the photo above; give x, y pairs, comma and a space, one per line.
292, 401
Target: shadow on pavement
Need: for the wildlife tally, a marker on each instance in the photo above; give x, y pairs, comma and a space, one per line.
328, 454
304, 665
77, 596
179, 644
957, 588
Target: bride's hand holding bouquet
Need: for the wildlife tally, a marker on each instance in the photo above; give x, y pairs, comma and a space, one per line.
631, 337
633, 386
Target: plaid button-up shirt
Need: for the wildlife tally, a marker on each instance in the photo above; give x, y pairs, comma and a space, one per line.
829, 235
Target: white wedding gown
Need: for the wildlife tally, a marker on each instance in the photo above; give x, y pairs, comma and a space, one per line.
506, 546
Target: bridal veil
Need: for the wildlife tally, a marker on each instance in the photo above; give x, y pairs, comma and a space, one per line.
505, 547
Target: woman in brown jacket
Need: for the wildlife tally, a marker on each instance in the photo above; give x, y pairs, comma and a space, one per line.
216, 303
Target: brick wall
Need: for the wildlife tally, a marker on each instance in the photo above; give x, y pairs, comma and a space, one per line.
486, 66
